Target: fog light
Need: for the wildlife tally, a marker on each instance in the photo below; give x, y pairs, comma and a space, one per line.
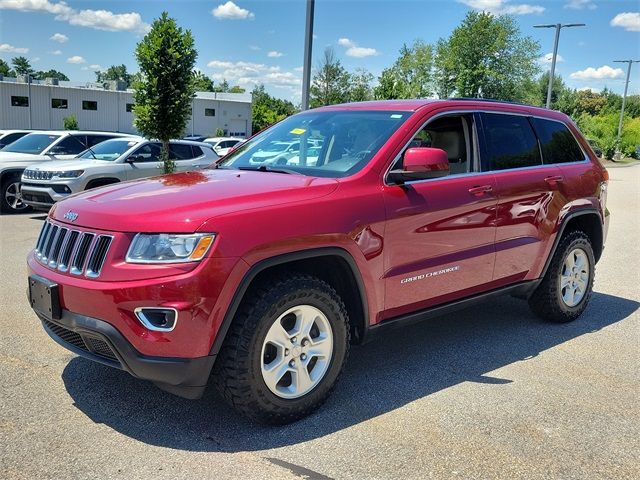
157, 319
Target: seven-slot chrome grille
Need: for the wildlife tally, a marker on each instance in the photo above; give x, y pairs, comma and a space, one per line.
68, 250
37, 175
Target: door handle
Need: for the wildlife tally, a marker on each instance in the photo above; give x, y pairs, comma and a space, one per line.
554, 179
480, 190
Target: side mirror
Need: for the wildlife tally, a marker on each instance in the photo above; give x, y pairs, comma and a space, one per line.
421, 163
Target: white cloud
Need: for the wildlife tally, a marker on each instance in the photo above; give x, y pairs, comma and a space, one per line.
93, 67
6, 48
97, 19
274, 54
249, 74
76, 59
601, 73
590, 89
59, 37
546, 59
231, 11
500, 7
35, 59
353, 50
628, 20
298, 69
56, 52
255, 48
580, 5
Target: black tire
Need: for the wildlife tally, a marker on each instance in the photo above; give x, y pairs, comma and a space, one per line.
9, 181
547, 301
237, 372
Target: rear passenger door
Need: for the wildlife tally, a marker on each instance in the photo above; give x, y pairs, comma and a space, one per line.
528, 192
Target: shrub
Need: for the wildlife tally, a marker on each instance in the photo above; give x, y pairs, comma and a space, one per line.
70, 122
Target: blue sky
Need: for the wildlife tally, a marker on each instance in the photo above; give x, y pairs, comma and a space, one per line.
261, 41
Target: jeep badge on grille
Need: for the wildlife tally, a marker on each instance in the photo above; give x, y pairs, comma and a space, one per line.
71, 216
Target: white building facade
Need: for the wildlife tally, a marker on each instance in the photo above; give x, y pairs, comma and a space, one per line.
42, 105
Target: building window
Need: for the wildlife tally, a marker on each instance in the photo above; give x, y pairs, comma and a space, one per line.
59, 103
209, 112
129, 107
19, 101
89, 105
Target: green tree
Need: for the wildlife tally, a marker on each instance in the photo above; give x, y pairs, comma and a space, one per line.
202, 83
535, 91
166, 56
41, 75
360, 86
219, 132
486, 57
222, 87
4, 68
114, 72
330, 81
237, 89
267, 110
411, 74
70, 122
22, 66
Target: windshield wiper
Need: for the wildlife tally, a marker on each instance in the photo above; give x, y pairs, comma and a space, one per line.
265, 168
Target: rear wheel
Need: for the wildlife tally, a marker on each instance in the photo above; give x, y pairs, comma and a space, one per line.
285, 350
566, 288
11, 195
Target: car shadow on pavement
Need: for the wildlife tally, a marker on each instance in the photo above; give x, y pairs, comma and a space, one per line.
403, 366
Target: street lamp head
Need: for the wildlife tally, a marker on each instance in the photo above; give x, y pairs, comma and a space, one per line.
546, 25
626, 61
574, 25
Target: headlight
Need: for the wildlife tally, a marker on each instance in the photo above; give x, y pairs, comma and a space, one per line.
67, 174
169, 247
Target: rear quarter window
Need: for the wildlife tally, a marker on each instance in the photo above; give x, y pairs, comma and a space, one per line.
509, 142
558, 143
180, 151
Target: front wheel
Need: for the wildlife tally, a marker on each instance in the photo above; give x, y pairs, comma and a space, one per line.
285, 350
566, 288
11, 195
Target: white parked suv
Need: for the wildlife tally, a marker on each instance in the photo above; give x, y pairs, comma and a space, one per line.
35, 148
10, 136
112, 161
222, 145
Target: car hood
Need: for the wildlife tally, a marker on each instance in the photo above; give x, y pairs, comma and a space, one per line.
65, 165
21, 157
182, 202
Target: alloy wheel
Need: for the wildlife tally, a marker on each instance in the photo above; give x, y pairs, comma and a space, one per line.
13, 196
574, 277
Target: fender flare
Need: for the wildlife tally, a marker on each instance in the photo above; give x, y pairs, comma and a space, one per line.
263, 265
565, 221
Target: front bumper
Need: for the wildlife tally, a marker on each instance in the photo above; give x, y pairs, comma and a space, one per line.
42, 197
101, 342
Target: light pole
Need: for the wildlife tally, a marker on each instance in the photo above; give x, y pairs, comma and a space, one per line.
308, 47
558, 27
624, 99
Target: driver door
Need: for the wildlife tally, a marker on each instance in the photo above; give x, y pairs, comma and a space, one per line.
146, 162
439, 235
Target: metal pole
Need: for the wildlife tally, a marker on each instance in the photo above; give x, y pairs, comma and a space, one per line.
29, 97
553, 65
308, 47
624, 99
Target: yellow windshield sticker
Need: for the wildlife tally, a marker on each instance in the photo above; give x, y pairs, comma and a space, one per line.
298, 131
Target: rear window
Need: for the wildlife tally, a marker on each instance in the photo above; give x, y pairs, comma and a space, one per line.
197, 151
509, 142
558, 143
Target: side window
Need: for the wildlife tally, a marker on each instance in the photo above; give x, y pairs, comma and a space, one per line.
558, 143
12, 137
179, 151
510, 142
196, 151
148, 153
451, 134
69, 146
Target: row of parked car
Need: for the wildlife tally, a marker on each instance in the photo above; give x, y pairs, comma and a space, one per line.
39, 168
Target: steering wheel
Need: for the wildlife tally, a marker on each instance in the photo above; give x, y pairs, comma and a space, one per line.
361, 154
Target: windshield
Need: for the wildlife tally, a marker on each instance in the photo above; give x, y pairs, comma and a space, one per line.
323, 144
110, 150
34, 143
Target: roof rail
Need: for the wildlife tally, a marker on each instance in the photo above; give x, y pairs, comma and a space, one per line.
492, 100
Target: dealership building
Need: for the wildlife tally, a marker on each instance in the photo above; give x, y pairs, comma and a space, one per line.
108, 106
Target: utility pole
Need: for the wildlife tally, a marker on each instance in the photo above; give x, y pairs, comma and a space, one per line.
308, 48
558, 27
624, 100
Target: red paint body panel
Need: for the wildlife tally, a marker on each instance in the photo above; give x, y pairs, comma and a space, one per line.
488, 238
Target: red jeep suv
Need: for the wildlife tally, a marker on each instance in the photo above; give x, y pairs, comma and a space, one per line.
322, 231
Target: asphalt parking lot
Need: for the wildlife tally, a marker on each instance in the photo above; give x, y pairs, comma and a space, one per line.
491, 392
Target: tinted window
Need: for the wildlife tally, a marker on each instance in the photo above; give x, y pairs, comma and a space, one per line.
69, 146
33, 143
89, 105
59, 103
179, 151
19, 101
196, 151
129, 107
558, 143
11, 137
209, 112
510, 142
95, 139
148, 153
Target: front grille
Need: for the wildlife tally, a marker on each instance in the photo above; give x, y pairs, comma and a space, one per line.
80, 253
38, 197
37, 175
86, 343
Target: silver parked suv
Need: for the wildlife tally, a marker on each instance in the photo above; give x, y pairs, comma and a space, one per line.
109, 162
